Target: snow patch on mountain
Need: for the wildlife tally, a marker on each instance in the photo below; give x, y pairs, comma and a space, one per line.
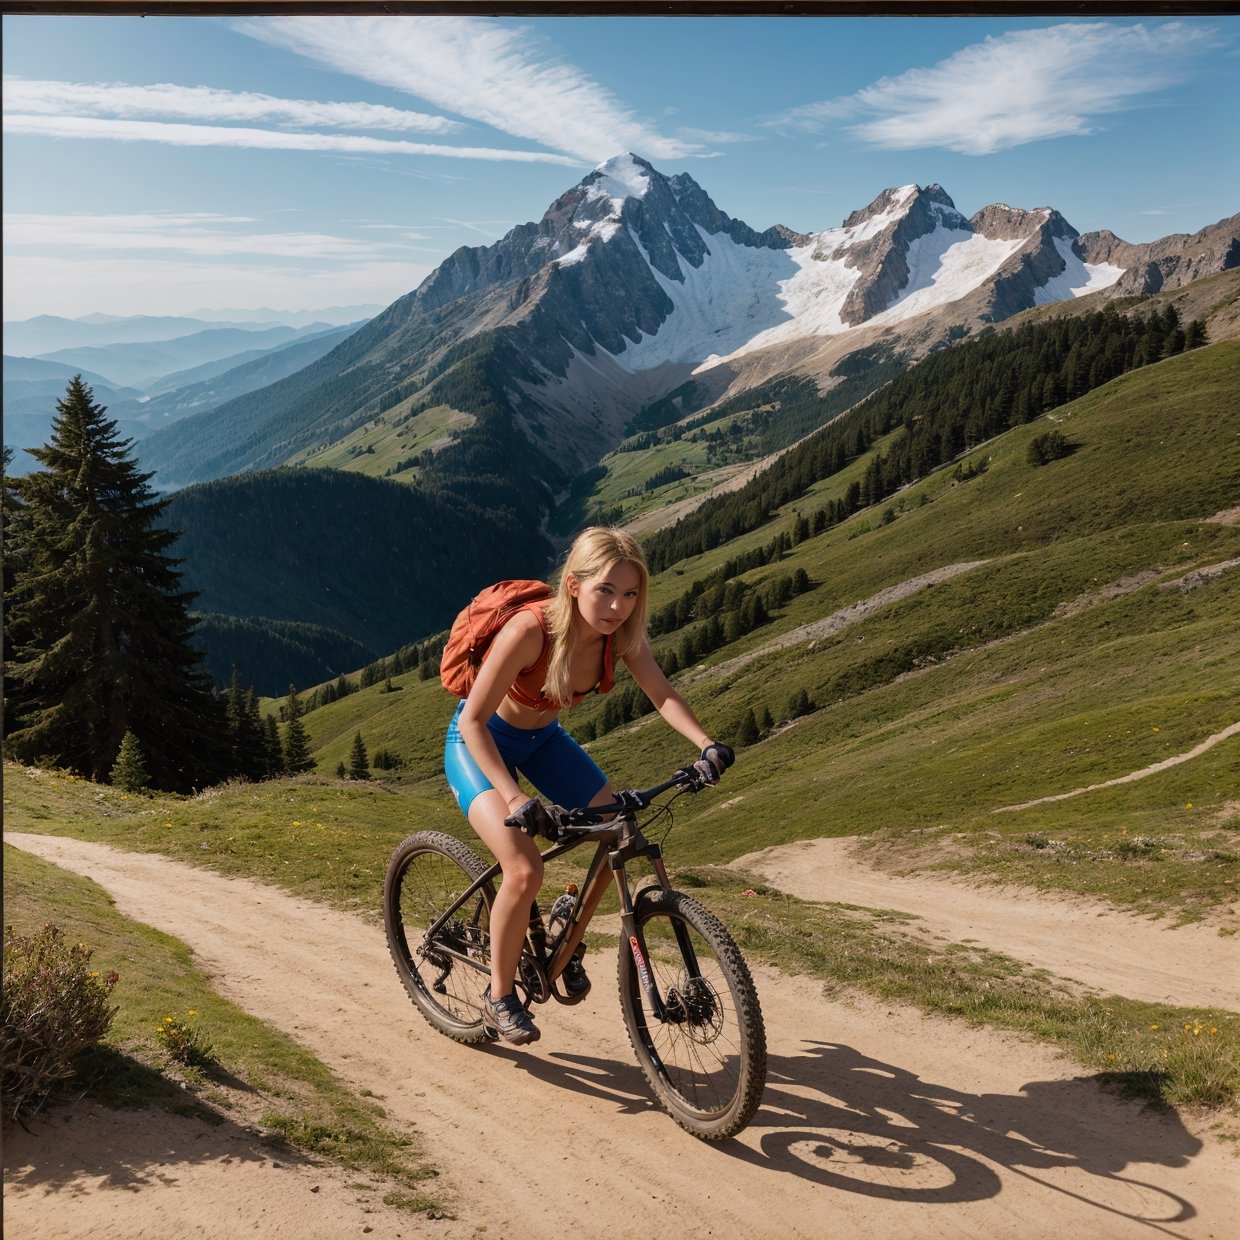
619, 178
604, 230
945, 265
835, 241
718, 307
810, 300
742, 299
1077, 278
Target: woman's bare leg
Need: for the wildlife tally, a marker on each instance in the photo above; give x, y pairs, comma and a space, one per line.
522, 865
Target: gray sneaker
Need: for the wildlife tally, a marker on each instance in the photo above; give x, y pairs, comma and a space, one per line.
507, 1018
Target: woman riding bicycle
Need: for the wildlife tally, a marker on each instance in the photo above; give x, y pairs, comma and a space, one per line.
548, 656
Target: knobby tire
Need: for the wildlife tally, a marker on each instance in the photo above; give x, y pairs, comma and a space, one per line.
707, 1061
425, 874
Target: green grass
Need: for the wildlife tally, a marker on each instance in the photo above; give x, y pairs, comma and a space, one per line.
1030, 676
292, 1095
380, 444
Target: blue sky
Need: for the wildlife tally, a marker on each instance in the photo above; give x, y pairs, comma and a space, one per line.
162, 165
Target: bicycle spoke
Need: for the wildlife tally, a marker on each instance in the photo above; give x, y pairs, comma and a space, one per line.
706, 1056
445, 976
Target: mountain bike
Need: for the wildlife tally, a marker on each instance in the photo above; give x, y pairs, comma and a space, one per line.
686, 993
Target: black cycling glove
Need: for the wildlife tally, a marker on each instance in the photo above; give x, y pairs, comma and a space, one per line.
715, 759
532, 819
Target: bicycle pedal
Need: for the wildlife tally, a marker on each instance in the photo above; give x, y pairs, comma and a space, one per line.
561, 995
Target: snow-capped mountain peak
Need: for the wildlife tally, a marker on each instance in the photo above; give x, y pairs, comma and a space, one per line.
614, 180
633, 282
631, 271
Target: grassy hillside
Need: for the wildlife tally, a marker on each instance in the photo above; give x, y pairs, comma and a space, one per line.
1096, 636
998, 633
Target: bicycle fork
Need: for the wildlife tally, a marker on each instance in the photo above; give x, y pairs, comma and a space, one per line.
636, 940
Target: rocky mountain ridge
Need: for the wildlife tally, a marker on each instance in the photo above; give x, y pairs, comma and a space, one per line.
633, 282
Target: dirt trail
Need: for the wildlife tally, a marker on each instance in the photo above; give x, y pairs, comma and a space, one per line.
1082, 940
914, 1127
1144, 773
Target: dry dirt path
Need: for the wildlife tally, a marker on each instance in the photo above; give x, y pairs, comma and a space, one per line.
875, 1120
1082, 940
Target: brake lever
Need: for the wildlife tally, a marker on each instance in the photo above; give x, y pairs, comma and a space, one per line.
692, 781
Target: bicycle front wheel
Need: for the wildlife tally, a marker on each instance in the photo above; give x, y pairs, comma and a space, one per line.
705, 1055
446, 974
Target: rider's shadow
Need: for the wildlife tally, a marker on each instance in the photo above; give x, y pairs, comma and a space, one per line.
839, 1118
620, 1083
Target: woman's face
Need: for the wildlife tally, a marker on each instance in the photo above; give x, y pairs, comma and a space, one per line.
605, 602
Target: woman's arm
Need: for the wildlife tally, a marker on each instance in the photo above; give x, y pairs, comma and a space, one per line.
517, 646
656, 686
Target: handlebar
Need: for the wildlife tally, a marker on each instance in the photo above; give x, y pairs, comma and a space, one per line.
627, 800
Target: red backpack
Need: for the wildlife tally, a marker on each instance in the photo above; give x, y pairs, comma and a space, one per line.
475, 628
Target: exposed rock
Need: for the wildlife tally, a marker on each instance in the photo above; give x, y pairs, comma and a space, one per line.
1168, 263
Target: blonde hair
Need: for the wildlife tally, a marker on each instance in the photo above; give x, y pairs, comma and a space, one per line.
594, 553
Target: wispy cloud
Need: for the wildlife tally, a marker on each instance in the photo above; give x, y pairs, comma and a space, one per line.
202, 235
1015, 88
505, 77
206, 105
718, 136
106, 128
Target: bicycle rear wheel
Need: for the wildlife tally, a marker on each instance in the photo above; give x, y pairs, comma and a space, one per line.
445, 977
706, 1058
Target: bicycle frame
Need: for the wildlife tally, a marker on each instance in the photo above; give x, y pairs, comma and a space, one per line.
619, 842
686, 995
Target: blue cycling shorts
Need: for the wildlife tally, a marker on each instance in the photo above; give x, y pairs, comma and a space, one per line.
548, 757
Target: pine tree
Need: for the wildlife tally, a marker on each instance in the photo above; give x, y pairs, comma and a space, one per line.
15, 523
1195, 335
296, 744
272, 751
100, 631
799, 704
245, 731
747, 732
359, 763
129, 770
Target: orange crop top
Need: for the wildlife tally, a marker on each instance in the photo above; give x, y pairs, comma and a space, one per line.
527, 689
